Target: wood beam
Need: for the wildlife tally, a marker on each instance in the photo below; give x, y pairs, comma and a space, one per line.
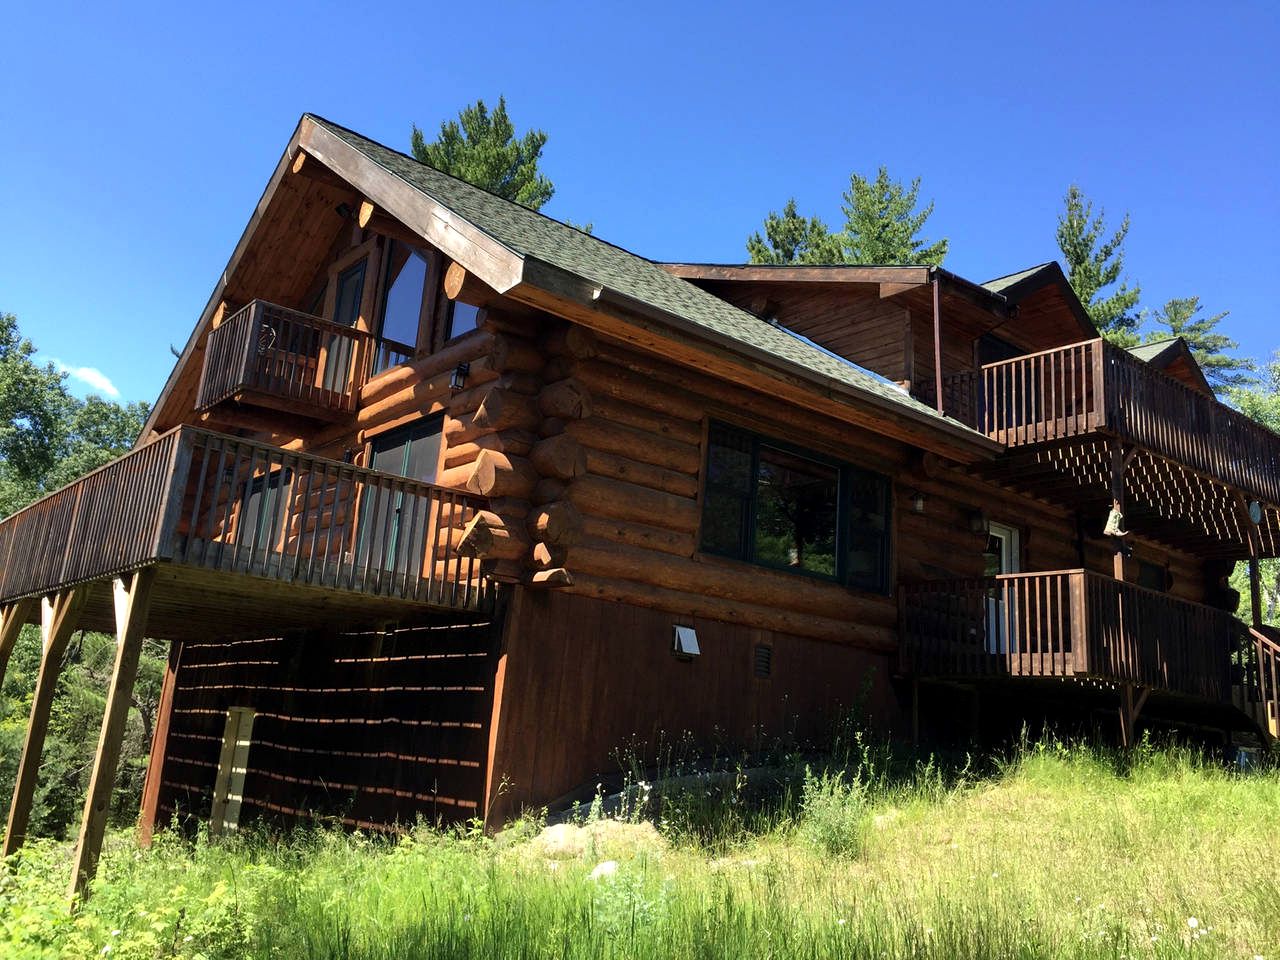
58, 616
893, 289
132, 601
366, 213
159, 748
13, 617
1118, 462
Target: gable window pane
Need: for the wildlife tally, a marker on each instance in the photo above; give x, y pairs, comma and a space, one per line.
797, 502
463, 318
402, 305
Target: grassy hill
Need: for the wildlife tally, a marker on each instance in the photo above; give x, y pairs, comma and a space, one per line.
1062, 853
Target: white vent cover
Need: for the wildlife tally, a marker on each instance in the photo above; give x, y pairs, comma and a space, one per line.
685, 642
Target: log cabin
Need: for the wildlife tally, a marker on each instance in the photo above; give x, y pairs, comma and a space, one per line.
445, 503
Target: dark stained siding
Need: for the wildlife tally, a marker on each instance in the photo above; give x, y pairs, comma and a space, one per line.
369, 728
590, 684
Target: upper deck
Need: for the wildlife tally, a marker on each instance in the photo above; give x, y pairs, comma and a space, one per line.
1193, 462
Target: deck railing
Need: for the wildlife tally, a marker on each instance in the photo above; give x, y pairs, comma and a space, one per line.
217, 502
1258, 693
1067, 623
269, 352
1094, 387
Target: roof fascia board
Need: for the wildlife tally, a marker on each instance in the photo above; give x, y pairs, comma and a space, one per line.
599, 300
459, 239
797, 274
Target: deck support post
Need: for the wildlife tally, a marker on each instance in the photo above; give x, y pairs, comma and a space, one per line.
59, 614
151, 784
12, 619
1132, 700
132, 601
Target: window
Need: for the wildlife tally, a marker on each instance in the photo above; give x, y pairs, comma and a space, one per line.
404, 285
346, 313
1153, 576
389, 519
264, 512
771, 504
463, 318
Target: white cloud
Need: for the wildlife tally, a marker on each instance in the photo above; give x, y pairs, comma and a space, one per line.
91, 377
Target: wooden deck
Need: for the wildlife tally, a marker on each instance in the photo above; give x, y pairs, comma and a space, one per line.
1081, 625
269, 356
247, 538
1195, 460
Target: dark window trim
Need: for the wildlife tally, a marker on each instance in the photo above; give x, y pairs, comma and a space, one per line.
844, 496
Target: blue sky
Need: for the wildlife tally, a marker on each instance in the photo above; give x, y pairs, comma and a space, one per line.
137, 142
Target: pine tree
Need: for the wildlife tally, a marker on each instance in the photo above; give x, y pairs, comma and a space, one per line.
790, 238
882, 225
1093, 267
482, 148
1221, 369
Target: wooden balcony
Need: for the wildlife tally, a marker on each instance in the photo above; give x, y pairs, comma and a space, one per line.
1195, 459
269, 356
1075, 624
246, 538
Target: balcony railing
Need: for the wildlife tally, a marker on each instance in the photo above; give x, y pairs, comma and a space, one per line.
276, 357
1068, 623
219, 503
1095, 387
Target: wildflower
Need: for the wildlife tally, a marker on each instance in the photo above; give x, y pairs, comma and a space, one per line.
842, 921
995, 874
115, 933
188, 938
606, 869
1192, 922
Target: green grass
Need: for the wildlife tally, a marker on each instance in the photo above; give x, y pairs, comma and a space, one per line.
1057, 853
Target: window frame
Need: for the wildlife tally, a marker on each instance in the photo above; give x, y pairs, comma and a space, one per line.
844, 496
432, 280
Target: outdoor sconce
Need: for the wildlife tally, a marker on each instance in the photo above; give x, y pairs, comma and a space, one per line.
978, 523
684, 642
917, 502
459, 378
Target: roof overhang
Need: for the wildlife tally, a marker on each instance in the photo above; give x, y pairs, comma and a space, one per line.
544, 285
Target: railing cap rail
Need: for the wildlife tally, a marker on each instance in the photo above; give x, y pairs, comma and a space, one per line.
308, 318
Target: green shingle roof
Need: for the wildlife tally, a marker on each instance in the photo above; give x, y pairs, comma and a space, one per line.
1149, 351
1003, 283
528, 233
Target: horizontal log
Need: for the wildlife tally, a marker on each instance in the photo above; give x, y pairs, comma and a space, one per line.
489, 537
499, 475
461, 284
639, 445
639, 535
630, 415
499, 319
424, 397
468, 349
547, 555
518, 442
505, 571
565, 400
557, 523
504, 409
571, 340
548, 490
559, 368
609, 380
560, 457
500, 411
732, 581
647, 475
618, 500
556, 577
511, 353
754, 616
